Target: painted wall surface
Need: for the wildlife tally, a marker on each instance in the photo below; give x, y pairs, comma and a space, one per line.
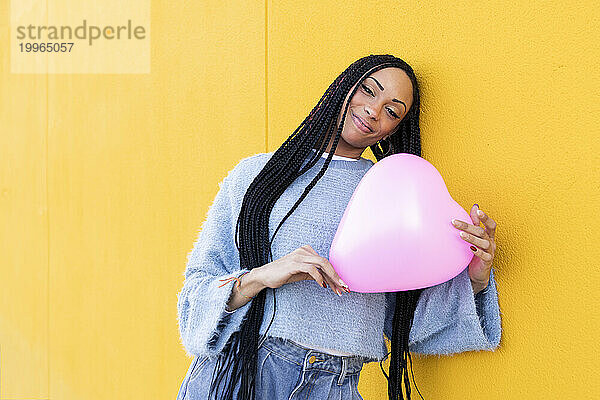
105, 179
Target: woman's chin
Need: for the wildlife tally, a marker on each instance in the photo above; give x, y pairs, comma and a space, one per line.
354, 140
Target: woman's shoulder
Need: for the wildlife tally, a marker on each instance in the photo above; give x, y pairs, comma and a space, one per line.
252, 164
255, 159
247, 168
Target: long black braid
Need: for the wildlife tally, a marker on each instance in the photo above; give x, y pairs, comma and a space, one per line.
239, 356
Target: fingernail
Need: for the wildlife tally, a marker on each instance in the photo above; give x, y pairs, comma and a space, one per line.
477, 205
473, 248
338, 292
343, 284
480, 213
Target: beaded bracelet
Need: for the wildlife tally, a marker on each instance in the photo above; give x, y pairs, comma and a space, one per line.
239, 283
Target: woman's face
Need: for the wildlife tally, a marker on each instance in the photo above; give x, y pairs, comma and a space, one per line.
381, 102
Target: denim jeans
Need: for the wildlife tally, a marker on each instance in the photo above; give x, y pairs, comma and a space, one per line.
285, 371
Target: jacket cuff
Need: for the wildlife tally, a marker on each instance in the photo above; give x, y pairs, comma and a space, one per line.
228, 321
478, 328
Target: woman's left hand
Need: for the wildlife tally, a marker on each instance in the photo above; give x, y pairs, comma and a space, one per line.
482, 242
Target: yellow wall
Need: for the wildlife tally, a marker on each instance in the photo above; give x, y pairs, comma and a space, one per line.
105, 179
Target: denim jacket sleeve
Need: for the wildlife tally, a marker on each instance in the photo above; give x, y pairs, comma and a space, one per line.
449, 318
204, 324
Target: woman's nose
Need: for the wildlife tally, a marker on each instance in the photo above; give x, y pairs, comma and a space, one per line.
370, 112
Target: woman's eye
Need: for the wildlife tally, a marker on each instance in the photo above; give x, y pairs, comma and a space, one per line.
366, 89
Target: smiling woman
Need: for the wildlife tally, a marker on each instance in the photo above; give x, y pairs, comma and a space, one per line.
283, 325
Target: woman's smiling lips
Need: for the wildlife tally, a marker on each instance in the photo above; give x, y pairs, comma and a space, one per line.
360, 124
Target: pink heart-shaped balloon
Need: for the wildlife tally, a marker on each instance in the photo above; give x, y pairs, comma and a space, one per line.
396, 232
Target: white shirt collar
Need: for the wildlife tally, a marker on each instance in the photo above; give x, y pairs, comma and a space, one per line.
336, 157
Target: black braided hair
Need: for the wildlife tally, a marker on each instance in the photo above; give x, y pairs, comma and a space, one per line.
239, 356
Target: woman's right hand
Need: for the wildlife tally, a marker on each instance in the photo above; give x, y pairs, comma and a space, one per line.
301, 264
